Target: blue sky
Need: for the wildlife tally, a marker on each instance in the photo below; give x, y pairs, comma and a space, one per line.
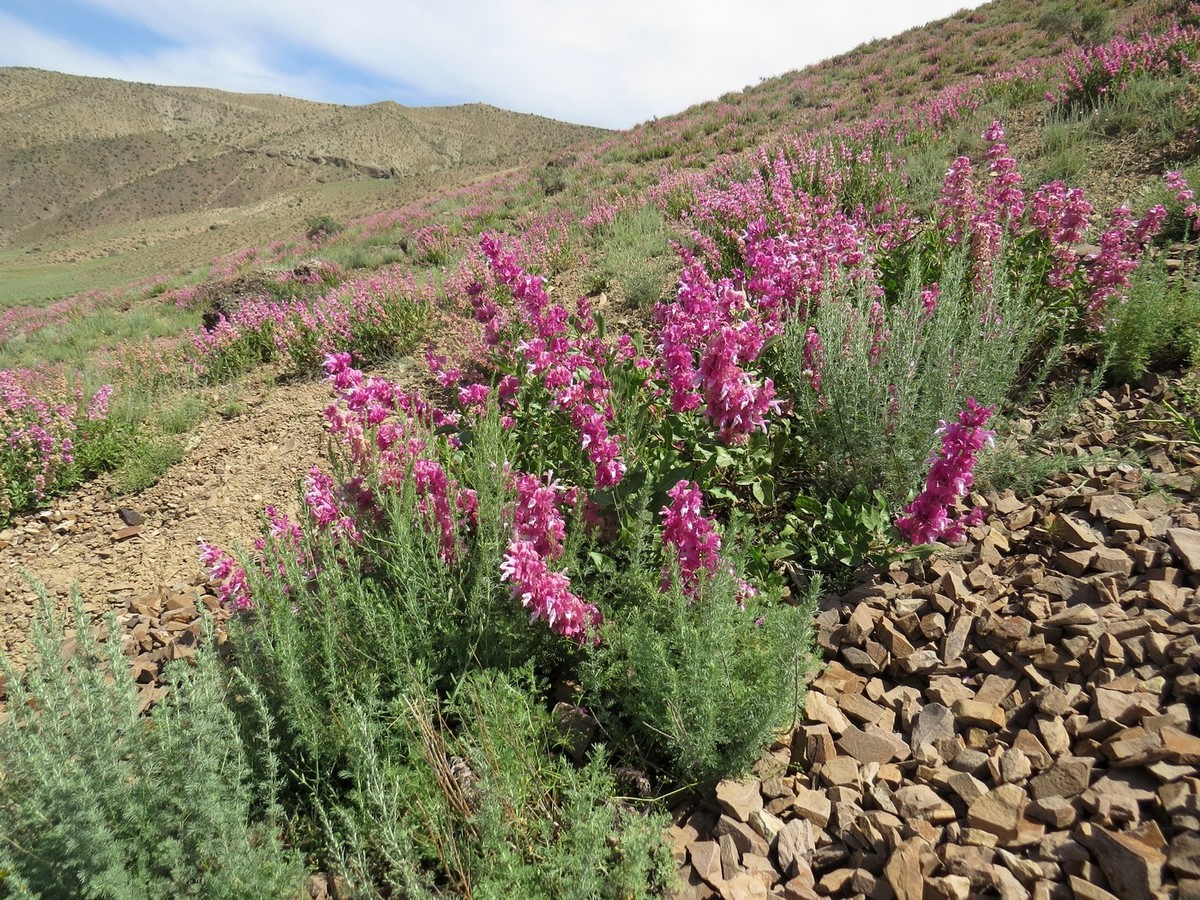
599, 62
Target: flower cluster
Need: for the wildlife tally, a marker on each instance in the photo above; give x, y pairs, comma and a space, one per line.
566, 355
538, 532
1060, 214
228, 576
1184, 196
691, 536
717, 318
42, 421
951, 474
547, 594
1119, 255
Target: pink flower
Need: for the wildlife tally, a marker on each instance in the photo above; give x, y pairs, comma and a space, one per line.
691, 535
951, 474
547, 594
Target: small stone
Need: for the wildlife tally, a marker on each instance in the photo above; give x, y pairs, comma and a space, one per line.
866, 747
813, 806
765, 825
739, 797
794, 845
1078, 533
819, 708
1057, 812
934, 723
1184, 856
1186, 544
1067, 777
907, 867
1181, 748
129, 516
998, 811
706, 860
1085, 890
919, 801
974, 712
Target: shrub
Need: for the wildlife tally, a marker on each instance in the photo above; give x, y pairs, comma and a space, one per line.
1157, 326
53, 437
99, 801
700, 684
870, 381
321, 227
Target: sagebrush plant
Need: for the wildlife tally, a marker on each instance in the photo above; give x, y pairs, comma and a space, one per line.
98, 800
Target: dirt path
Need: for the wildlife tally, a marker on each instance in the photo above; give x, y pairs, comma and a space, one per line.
231, 470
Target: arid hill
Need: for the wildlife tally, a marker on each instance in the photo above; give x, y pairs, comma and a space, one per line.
82, 157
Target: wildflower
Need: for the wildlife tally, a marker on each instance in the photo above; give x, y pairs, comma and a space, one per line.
691, 535
547, 594
951, 474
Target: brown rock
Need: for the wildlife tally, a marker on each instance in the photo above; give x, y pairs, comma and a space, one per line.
739, 797
1133, 869
1085, 890
1181, 748
919, 801
865, 747
1068, 777
1186, 544
1184, 856
949, 887
745, 886
813, 806
907, 867
819, 708
1057, 812
975, 712
999, 811
124, 534
1077, 533
744, 837
706, 860
795, 846
934, 723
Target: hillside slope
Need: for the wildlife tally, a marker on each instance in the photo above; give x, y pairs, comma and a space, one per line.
85, 160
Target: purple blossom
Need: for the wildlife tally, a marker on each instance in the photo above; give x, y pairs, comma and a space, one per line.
951, 474
547, 594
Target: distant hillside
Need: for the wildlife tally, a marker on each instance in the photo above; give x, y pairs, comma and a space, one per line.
78, 154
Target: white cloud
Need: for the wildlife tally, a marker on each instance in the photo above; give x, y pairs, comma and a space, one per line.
613, 62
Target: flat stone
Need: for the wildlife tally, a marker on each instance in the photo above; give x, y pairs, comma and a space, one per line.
1181, 748
935, 722
813, 806
706, 860
1133, 869
739, 797
1085, 890
765, 824
866, 747
841, 770
794, 846
998, 811
1057, 812
919, 801
1078, 533
1184, 856
975, 712
1068, 777
819, 708
1186, 544
907, 867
